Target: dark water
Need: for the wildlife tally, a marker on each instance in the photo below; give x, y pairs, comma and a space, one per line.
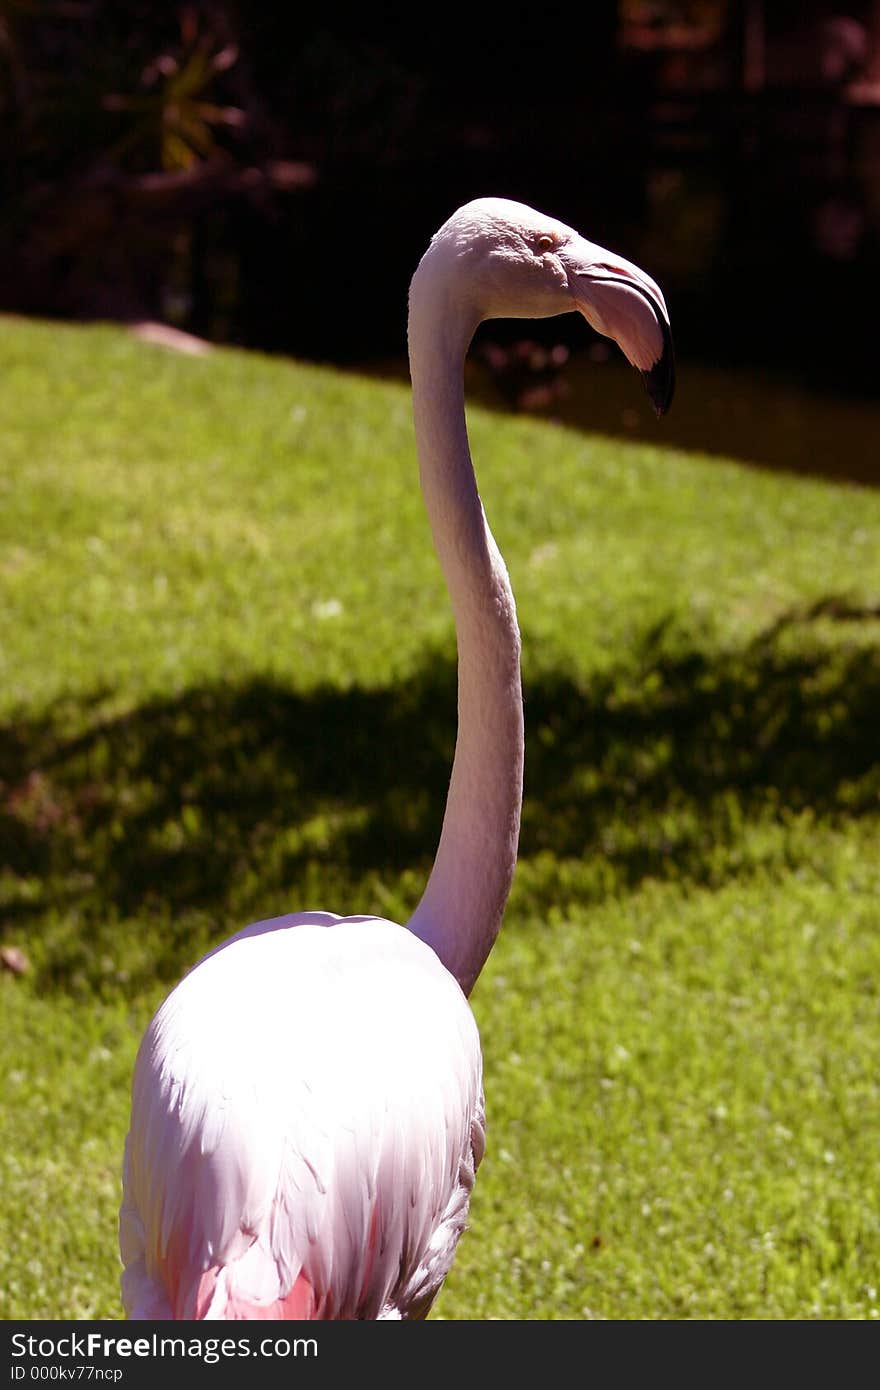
753, 415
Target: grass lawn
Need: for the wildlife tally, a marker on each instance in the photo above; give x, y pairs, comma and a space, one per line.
227, 690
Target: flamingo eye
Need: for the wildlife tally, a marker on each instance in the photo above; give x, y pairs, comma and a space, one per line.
546, 242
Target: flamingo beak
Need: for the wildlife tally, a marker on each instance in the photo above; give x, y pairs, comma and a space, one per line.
620, 301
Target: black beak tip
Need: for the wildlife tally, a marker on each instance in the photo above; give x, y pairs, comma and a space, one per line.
660, 379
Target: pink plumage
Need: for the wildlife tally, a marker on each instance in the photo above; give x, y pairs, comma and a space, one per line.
307, 1121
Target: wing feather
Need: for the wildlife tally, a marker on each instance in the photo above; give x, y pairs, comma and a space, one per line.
306, 1106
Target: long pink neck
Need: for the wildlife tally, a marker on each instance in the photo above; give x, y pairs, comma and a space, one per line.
461, 909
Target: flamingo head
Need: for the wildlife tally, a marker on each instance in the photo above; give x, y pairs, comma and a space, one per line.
514, 262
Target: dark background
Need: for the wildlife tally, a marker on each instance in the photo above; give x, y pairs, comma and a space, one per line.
268, 174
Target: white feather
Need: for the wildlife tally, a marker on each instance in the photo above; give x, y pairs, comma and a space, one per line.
305, 1100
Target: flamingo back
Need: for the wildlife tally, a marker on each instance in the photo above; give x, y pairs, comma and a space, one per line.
307, 1119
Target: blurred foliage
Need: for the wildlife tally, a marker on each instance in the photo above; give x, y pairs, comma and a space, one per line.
172, 123
113, 116
88, 83
183, 161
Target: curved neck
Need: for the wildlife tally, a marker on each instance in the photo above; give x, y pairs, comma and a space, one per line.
461, 909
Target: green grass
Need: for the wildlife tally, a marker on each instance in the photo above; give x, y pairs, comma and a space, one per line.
227, 690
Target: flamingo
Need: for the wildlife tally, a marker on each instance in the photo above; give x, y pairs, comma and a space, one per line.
307, 1112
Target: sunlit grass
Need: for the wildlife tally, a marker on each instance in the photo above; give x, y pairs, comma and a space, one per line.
227, 690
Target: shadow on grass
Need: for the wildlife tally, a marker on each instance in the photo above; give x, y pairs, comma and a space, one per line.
230, 802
